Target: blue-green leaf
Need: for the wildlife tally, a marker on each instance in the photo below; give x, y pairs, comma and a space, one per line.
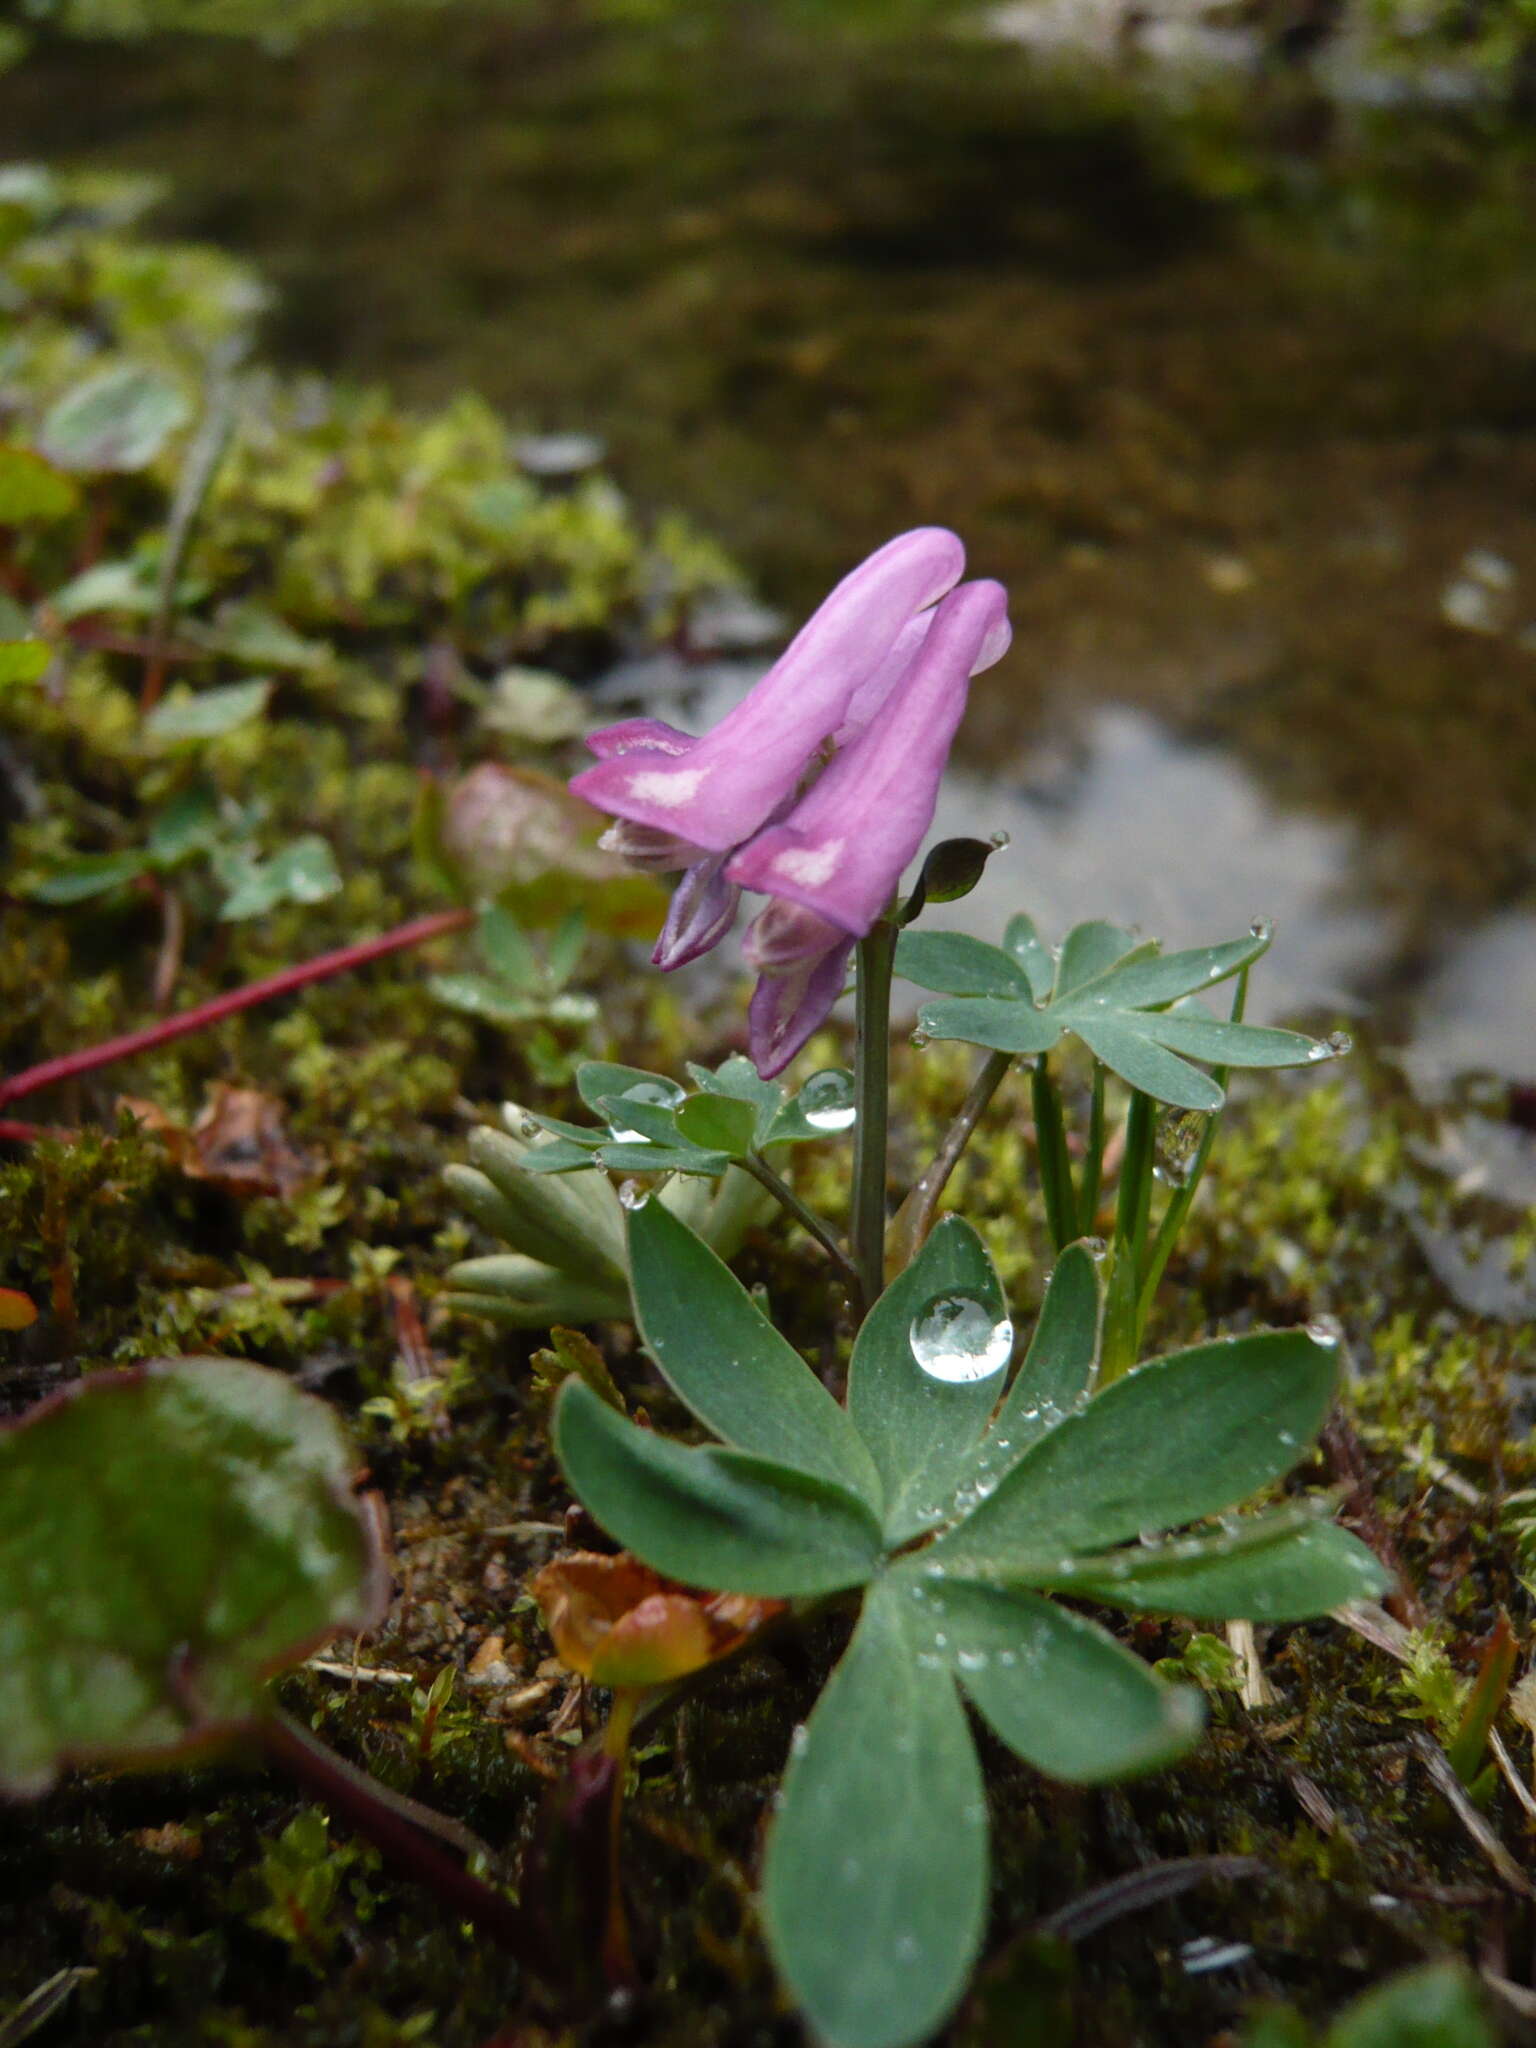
1058, 1690
716, 1518
91, 874
1115, 1038
1090, 950
1058, 1370
1165, 977
1286, 1566
118, 419
597, 1078
1232, 1045
994, 1021
188, 715
718, 1123
1033, 955
875, 1879
719, 1353
954, 964
921, 1424
1182, 1437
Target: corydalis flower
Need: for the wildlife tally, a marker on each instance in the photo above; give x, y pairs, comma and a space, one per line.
832, 865
878, 674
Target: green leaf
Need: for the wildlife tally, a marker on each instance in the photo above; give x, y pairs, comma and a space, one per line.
1437, 2006
1027, 947
23, 661
875, 1876
1166, 977
597, 1078
1182, 1437
170, 1536
564, 1156
1280, 1567
632, 1120
955, 964
106, 587
1053, 1685
302, 872
720, 1354
118, 419
189, 824
93, 874
1090, 950
718, 1124
1058, 1370
716, 1518
1231, 1045
652, 1158
993, 1021
922, 1430
505, 949
1141, 1063
1111, 992
484, 995
33, 492
188, 715
824, 1107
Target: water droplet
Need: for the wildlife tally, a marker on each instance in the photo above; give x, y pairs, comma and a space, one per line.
1339, 1043
919, 1039
1263, 928
972, 1660
999, 840
1149, 1538
1326, 1330
665, 1094
632, 1195
826, 1100
958, 1339
798, 1739
528, 1130
1097, 1249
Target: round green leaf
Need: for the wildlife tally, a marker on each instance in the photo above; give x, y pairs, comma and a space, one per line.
205, 714
170, 1536
119, 419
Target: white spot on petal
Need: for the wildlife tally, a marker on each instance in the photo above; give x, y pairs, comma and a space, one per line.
666, 787
809, 866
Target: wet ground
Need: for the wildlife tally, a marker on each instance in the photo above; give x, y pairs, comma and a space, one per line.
1239, 401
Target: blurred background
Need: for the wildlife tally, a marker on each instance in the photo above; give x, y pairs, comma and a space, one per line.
1209, 326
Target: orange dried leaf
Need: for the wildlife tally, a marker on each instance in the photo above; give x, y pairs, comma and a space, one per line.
619, 1623
17, 1310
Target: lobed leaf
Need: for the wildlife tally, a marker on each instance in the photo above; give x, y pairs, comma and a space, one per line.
955, 964
170, 1536
993, 1021
1058, 1370
723, 1519
1182, 1437
921, 1431
720, 1354
1053, 1685
1033, 955
875, 1876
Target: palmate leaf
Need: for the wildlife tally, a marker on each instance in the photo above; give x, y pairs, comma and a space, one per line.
170, 1536
875, 1866
1112, 992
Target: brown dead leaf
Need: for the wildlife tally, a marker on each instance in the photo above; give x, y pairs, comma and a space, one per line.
239, 1142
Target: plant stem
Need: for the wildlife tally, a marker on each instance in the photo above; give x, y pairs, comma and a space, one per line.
806, 1217
1051, 1151
90, 1057
1180, 1202
914, 1219
872, 1079
618, 1955
400, 1839
1093, 1164
1123, 1293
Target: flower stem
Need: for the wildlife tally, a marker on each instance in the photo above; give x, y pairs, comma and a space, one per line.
321, 968
914, 1218
1051, 1151
806, 1217
872, 1081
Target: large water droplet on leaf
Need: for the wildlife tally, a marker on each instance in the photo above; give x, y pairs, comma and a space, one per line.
664, 1094
827, 1101
958, 1338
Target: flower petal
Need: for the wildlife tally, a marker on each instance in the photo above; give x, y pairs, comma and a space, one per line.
702, 911
843, 847
786, 1008
639, 735
727, 784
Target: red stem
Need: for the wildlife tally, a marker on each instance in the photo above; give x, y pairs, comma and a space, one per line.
90, 1057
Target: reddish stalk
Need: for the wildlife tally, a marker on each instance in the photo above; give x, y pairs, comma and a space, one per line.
322, 968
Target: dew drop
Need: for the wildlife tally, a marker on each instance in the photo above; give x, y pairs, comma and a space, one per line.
972, 1660
1326, 1330
528, 1130
1177, 1143
826, 1100
1096, 1248
999, 840
632, 1195
957, 1338
665, 1094
919, 1040
1263, 928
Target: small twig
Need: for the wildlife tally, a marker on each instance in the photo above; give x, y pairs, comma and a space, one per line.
91, 1057
359, 1674
173, 928
1510, 1773
1256, 1688
914, 1219
13, 1132
1139, 1889
808, 1220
